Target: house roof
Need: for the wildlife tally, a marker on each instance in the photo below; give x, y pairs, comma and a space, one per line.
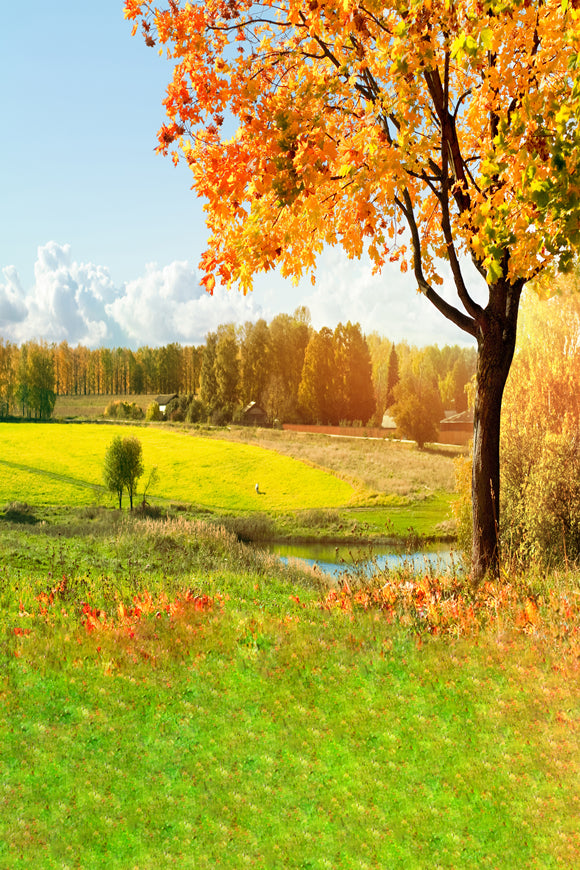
166, 398
252, 408
465, 418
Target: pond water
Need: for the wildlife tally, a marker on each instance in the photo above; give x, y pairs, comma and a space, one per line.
335, 560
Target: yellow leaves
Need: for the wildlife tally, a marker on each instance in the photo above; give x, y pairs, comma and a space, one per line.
209, 283
311, 162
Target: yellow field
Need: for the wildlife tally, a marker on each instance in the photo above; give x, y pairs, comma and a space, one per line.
62, 464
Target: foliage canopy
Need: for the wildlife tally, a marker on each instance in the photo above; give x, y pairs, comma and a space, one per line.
342, 109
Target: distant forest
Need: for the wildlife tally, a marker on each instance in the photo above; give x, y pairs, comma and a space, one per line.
293, 372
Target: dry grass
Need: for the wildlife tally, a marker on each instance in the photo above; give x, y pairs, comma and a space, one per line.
94, 406
383, 466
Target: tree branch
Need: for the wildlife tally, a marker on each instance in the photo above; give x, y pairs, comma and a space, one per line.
467, 324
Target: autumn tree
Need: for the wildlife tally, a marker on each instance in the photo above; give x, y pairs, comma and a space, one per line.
418, 132
541, 431
379, 348
208, 378
255, 361
8, 355
227, 368
289, 336
392, 375
458, 369
41, 381
353, 377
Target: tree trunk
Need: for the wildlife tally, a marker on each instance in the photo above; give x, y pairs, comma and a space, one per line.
496, 343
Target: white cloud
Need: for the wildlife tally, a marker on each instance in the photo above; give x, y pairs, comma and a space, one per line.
168, 304
80, 304
66, 301
12, 305
388, 303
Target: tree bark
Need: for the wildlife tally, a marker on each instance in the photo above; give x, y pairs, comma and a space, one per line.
496, 337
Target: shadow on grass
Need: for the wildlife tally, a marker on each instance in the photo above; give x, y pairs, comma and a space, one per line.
19, 512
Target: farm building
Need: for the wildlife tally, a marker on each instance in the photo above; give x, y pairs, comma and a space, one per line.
164, 400
253, 415
389, 424
456, 428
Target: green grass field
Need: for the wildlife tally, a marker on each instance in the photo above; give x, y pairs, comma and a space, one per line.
51, 464
169, 697
62, 464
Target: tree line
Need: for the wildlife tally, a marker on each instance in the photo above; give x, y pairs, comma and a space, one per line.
292, 371
34, 373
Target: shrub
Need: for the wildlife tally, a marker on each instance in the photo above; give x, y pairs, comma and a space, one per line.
119, 410
541, 497
19, 512
152, 511
319, 518
153, 413
195, 412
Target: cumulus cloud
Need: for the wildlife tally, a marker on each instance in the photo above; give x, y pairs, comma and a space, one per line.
168, 304
79, 303
12, 305
388, 303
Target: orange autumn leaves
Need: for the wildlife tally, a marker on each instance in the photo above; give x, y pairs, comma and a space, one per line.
127, 618
444, 605
425, 605
316, 123
123, 624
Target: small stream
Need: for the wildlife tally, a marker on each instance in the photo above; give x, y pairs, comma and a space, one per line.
335, 560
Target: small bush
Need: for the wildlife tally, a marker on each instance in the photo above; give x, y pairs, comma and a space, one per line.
152, 511
118, 410
153, 413
318, 518
195, 412
220, 417
19, 512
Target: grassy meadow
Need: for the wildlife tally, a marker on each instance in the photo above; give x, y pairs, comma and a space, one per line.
169, 696
216, 472
172, 697
211, 473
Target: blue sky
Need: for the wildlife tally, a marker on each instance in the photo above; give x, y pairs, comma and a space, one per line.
100, 237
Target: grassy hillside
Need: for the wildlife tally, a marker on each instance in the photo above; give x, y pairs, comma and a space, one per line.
377, 489
62, 464
92, 407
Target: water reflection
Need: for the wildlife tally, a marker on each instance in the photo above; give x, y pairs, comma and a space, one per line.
335, 560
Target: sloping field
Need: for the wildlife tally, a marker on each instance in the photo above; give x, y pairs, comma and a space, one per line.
62, 464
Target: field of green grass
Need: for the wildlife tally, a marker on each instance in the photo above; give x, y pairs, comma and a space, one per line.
62, 464
169, 697
52, 464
